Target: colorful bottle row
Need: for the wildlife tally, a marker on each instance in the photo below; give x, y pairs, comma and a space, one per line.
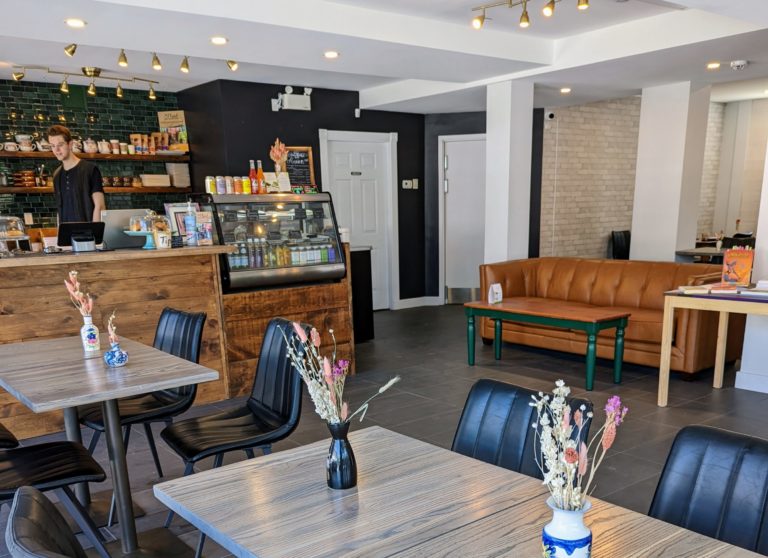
251, 184
257, 253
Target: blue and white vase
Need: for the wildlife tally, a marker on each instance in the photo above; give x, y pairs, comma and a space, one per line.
566, 536
115, 356
89, 335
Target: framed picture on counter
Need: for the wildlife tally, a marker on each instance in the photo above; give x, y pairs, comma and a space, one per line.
175, 213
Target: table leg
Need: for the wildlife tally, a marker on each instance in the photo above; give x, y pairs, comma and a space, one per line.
722, 339
72, 428
666, 350
618, 353
591, 357
120, 482
470, 340
497, 339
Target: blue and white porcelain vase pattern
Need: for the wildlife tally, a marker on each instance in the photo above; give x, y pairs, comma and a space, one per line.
89, 334
566, 536
115, 356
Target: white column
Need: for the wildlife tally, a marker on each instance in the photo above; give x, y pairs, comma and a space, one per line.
509, 125
754, 358
670, 159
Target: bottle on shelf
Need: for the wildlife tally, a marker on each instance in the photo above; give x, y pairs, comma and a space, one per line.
190, 225
243, 256
262, 187
251, 254
246, 181
253, 187
237, 185
331, 254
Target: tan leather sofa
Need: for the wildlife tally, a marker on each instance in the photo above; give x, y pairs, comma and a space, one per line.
634, 286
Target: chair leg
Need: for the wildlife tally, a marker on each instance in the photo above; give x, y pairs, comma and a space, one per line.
113, 503
187, 471
153, 448
82, 518
200, 544
249, 453
94, 441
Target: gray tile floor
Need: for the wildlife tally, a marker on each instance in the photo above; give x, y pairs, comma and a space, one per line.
427, 347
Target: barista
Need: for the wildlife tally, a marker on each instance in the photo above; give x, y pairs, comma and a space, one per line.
76, 183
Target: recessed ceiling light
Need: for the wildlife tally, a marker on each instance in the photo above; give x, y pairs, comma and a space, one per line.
331, 54
565, 90
218, 40
765, 92
714, 65
75, 22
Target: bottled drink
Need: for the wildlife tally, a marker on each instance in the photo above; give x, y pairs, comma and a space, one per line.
246, 185
243, 256
190, 225
331, 254
302, 256
210, 185
324, 253
262, 188
229, 184
237, 184
221, 186
294, 256
253, 179
251, 254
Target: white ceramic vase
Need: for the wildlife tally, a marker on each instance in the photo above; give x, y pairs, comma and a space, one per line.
566, 536
89, 334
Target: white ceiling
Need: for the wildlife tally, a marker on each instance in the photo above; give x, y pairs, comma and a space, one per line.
410, 55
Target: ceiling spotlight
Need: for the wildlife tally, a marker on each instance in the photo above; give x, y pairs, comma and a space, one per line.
184, 65
307, 90
156, 65
64, 87
219, 41
524, 21
119, 91
152, 95
92, 89
565, 90
549, 8
288, 89
122, 60
69, 50
331, 54
583, 4
75, 22
232, 65
714, 65
479, 20
18, 76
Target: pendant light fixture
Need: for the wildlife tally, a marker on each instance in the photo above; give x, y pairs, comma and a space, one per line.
184, 65
92, 89
152, 95
122, 60
70, 50
18, 76
479, 20
64, 87
524, 20
232, 65
156, 62
549, 9
119, 91
583, 5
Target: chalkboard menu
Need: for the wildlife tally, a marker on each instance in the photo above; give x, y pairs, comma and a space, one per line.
300, 167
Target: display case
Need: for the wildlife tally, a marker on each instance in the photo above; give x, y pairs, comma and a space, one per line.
11, 233
280, 239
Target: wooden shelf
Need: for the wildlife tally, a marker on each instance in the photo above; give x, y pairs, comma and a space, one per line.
97, 156
108, 190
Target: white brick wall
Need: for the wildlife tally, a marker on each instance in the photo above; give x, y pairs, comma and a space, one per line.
711, 169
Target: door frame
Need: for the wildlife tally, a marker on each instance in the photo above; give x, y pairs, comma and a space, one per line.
391, 217
441, 141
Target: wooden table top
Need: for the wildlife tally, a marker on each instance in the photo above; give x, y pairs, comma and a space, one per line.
701, 251
52, 374
412, 499
551, 308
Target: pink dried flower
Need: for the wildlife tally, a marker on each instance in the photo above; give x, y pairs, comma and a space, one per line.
315, 336
571, 455
609, 435
344, 411
566, 418
583, 459
578, 418
327, 371
300, 332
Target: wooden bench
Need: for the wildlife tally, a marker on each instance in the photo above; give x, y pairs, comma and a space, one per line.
555, 314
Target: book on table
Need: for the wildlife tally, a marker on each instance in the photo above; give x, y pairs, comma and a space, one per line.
737, 266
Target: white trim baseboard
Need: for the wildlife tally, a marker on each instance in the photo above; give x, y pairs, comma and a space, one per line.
405, 303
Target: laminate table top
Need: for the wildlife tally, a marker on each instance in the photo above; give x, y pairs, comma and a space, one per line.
53, 374
412, 499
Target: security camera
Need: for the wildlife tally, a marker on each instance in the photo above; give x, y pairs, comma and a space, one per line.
550, 116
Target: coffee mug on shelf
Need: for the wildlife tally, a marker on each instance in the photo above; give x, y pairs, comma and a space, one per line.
104, 147
11, 146
77, 146
43, 145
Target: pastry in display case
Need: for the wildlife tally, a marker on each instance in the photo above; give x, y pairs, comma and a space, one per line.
279, 238
11, 233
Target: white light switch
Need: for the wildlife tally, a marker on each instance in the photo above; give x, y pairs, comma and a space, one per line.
415, 183
407, 184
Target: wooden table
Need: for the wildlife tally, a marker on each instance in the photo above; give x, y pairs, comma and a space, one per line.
53, 374
412, 499
568, 316
724, 304
690, 255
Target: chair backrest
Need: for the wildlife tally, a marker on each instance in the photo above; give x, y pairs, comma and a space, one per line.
180, 334
277, 386
733, 241
36, 529
715, 482
496, 426
620, 244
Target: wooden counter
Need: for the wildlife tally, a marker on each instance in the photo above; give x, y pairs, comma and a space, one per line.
137, 283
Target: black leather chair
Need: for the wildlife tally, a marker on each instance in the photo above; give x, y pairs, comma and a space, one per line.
269, 415
620, 244
733, 241
715, 482
496, 426
180, 334
36, 529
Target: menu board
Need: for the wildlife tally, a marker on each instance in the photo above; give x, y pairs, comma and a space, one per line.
300, 166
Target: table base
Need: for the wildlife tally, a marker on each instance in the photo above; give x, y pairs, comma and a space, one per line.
98, 510
159, 542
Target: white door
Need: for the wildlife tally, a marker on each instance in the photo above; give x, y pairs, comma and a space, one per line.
359, 175
464, 209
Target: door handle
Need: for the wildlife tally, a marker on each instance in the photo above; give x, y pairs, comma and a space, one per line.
445, 185
356, 173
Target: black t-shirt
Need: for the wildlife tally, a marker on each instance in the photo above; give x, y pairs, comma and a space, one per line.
68, 184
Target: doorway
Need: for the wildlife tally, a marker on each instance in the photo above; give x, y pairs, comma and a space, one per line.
358, 169
462, 215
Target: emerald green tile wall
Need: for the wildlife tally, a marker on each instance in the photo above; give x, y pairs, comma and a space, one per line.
29, 107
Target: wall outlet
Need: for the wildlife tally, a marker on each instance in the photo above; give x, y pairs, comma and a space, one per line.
415, 183
28, 219
407, 184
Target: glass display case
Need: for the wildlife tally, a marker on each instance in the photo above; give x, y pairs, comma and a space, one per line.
280, 238
11, 233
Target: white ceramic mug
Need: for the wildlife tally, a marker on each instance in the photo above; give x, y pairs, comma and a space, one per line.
11, 146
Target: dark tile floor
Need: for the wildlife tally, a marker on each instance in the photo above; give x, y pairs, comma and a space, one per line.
427, 347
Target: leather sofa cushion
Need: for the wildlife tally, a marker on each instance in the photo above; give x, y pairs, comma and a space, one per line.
644, 325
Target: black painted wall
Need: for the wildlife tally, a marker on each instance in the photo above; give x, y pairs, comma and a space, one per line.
231, 122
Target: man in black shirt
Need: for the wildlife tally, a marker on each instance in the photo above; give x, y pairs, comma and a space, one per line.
76, 183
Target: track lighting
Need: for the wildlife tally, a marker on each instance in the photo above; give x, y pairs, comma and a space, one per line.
122, 60
119, 91
232, 65
18, 76
156, 62
479, 20
152, 95
583, 4
524, 21
64, 87
70, 50
549, 8
184, 65
92, 89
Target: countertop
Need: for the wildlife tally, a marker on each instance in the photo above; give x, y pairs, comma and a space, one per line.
109, 256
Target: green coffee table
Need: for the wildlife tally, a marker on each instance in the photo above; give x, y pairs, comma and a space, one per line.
554, 313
